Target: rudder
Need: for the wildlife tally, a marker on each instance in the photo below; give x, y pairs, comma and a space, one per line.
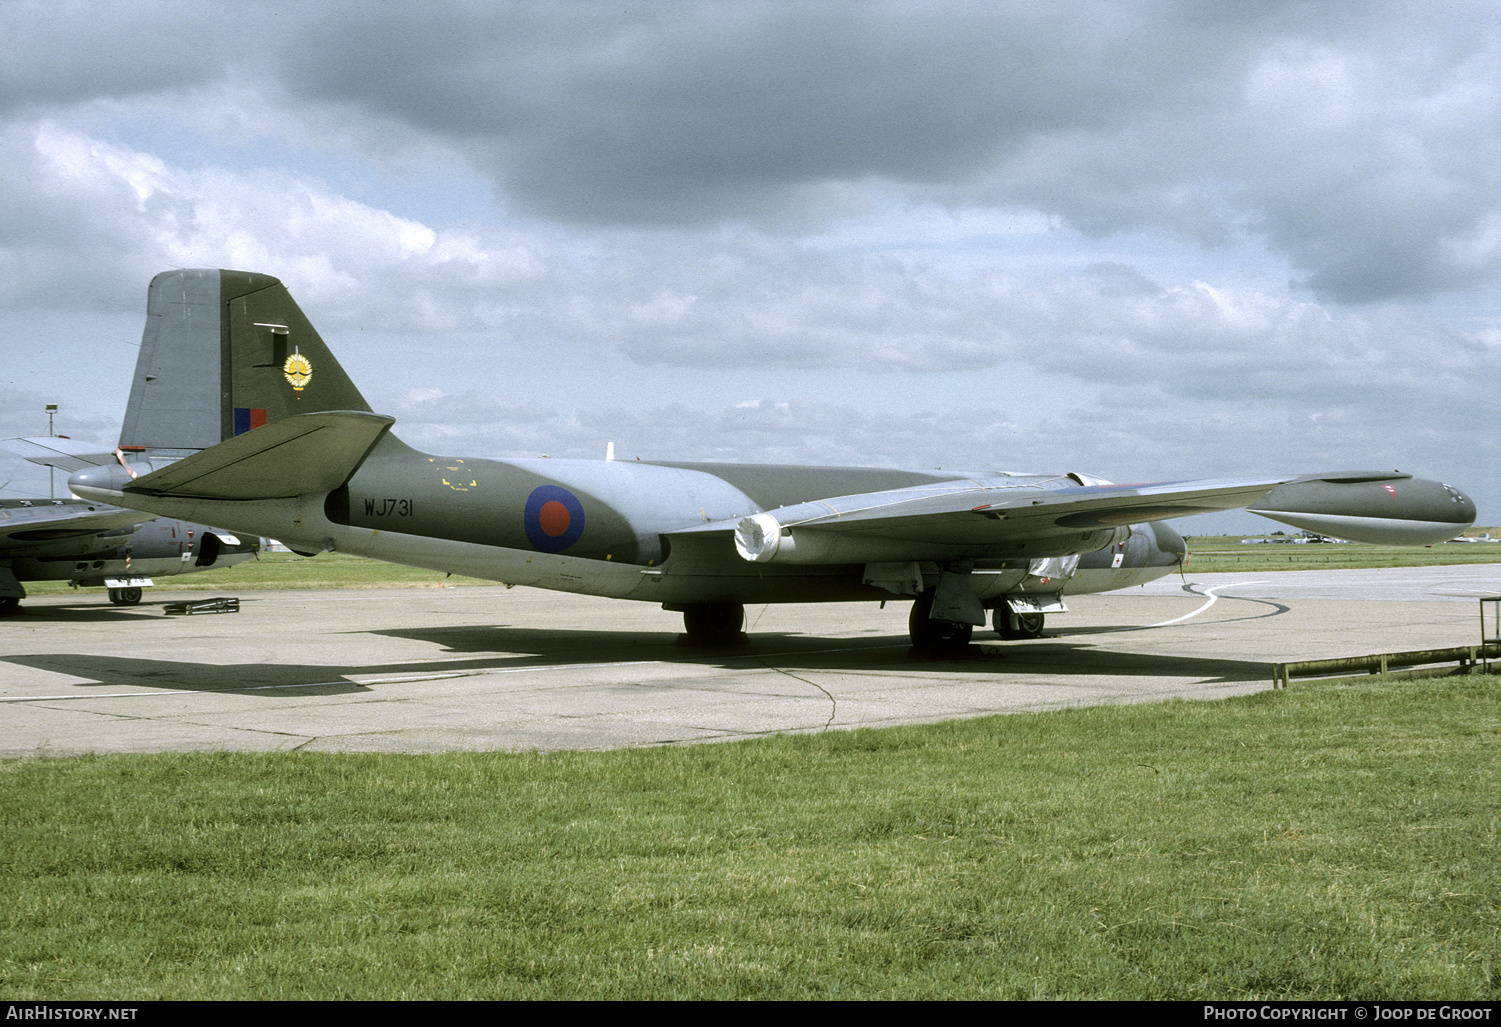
175, 394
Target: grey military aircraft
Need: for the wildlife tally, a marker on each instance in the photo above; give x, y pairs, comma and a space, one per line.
91, 544
239, 415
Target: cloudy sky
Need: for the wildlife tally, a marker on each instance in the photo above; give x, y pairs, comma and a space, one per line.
1143, 240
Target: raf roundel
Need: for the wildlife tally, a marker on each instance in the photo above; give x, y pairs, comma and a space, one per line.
554, 518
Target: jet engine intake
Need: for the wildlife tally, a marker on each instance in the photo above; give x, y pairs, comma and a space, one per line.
761, 538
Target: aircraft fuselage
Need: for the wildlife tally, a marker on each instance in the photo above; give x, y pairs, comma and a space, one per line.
601, 528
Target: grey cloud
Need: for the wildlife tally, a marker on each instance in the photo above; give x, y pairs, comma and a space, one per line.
61, 52
709, 111
1360, 141
1137, 442
750, 302
63, 227
730, 299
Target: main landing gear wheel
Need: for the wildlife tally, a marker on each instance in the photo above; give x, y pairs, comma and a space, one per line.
9, 605
125, 596
935, 637
714, 624
1010, 624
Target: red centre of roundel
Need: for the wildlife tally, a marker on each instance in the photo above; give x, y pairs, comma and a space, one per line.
554, 518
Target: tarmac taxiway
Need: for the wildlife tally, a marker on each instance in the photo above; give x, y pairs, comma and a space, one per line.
482, 667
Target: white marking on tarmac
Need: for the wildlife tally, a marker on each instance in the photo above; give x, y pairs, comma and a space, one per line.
1212, 600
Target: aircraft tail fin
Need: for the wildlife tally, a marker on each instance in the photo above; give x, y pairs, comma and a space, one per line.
225, 352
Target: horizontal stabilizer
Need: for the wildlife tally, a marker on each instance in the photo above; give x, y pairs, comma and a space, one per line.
54, 451
297, 455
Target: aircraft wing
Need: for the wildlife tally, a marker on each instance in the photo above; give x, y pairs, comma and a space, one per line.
303, 453
30, 527
56, 451
954, 520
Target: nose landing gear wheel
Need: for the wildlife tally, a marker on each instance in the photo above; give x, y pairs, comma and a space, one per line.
125, 596
1009, 624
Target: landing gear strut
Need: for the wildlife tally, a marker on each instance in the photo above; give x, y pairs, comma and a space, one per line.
935, 637
1010, 624
125, 596
714, 624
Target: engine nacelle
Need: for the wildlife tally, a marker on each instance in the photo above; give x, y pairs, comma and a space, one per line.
761, 538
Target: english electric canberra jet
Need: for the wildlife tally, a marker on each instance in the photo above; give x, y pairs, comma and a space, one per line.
92, 544
240, 416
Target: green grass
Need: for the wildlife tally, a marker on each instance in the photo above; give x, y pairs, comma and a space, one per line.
287, 570
1215, 553
1329, 841
337, 570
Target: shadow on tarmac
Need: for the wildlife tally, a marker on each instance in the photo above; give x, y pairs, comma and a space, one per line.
503, 647
789, 651
531, 648
103, 611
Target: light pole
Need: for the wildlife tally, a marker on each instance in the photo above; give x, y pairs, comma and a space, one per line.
51, 471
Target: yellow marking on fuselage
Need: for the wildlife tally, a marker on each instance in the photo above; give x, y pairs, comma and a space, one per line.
474, 483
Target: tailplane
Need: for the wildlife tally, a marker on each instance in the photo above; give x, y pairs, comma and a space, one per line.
225, 352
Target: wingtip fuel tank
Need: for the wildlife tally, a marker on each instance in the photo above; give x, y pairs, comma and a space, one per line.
1383, 508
